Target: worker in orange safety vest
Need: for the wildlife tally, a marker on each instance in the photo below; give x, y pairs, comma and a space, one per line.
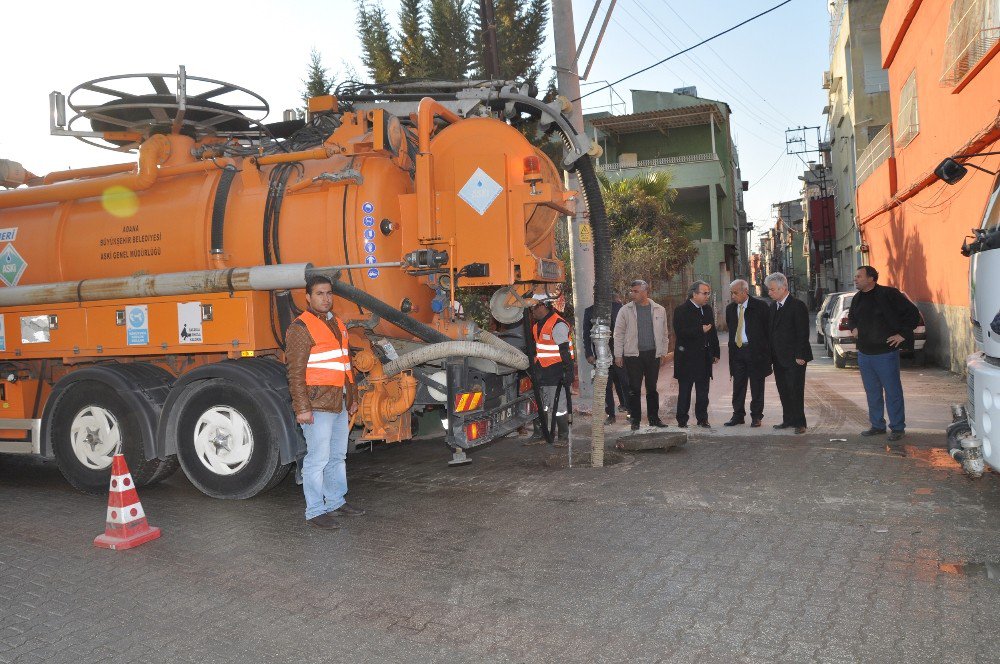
324, 398
554, 357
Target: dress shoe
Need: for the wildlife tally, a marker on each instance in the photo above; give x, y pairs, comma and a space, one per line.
610, 419
782, 426
682, 425
705, 425
635, 426
872, 432
327, 521
896, 435
800, 430
657, 423
734, 421
755, 424
348, 509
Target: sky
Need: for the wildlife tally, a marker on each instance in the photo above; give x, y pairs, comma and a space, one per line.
768, 71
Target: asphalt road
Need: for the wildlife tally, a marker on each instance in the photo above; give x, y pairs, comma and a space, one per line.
743, 546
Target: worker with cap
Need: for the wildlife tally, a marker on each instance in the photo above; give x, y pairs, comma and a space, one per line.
553, 360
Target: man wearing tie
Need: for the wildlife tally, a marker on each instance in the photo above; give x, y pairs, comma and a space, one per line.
790, 351
749, 321
697, 350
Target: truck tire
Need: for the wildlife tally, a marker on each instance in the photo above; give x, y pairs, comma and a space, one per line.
839, 361
226, 445
90, 423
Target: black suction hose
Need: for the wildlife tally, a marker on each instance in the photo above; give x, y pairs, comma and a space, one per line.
584, 167
219, 206
388, 312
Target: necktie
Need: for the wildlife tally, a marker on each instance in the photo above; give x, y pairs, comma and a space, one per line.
779, 305
739, 327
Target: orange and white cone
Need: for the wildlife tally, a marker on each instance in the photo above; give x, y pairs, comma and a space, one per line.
126, 524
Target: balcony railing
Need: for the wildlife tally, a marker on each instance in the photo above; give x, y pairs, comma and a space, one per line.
662, 161
880, 149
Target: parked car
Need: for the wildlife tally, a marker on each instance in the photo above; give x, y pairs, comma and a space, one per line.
840, 343
823, 315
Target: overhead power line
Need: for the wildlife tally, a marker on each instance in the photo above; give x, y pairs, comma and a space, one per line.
690, 48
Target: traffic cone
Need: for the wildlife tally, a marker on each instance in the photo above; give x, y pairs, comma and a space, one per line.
126, 523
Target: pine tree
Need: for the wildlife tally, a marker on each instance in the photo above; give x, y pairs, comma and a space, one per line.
316, 81
377, 43
520, 36
414, 57
449, 40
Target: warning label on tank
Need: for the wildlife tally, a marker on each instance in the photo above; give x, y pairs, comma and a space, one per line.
130, 243
12, 266
480, 191
189, 322
3, 335
137, 325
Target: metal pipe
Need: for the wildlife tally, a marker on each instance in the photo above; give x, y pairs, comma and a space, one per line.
152, 153
282, 158
93, 171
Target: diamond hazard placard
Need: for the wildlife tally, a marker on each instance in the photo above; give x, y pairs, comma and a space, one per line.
480, 191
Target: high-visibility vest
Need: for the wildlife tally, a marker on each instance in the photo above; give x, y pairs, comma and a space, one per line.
546, 350
329, 359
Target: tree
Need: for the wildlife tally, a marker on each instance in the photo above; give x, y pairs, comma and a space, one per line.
648, 240
520, 36
442, 40
316, 81
449, 40
414, 55
377, 43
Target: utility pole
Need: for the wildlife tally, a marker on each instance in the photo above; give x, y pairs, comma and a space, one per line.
488, 21
580, 235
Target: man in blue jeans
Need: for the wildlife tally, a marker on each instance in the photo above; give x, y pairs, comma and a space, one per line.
321, 383
882, 321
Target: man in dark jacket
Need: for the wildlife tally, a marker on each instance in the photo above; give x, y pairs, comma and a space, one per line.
749, 322
696, 351
882, 320
790, 351
617, 380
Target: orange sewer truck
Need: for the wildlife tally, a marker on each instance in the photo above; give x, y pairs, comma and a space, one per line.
144, 304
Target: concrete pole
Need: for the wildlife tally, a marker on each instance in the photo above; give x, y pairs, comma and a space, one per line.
580, 236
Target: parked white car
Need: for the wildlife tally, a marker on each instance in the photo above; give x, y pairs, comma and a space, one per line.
823, 315
840, 343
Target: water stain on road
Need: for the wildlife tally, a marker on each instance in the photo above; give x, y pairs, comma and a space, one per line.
987, 570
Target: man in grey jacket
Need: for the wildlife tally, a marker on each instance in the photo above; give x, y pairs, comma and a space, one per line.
641, 343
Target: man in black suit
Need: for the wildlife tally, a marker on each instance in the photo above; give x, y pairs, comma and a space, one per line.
749, 323
697, 350
790, 351
616, 376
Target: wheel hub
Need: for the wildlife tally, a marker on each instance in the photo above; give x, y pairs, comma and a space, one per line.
95, 437
223, 440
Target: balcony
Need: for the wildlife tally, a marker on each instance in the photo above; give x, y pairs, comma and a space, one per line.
662, 161
873, 156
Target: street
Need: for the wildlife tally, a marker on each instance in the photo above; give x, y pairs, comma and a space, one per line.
738, 547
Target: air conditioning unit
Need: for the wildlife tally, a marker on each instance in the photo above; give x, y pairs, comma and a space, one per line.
827, 80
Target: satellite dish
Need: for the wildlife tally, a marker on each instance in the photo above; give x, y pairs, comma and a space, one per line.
507, 306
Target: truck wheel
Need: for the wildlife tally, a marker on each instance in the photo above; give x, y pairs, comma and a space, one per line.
90, 424
225, 443
840, 361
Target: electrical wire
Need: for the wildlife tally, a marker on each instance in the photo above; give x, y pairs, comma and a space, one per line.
758, 180
690, 48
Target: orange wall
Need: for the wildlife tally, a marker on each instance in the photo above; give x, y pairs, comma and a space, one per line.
915, 245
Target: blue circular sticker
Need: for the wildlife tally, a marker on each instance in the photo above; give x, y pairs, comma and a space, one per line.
368, 221
369, 247
369, 233
368, 208
373, 273
136, 317
370, 260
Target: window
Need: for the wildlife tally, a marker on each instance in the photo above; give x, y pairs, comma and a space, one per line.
876, 78
973, 29
873, 131
907, 120
991, 218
